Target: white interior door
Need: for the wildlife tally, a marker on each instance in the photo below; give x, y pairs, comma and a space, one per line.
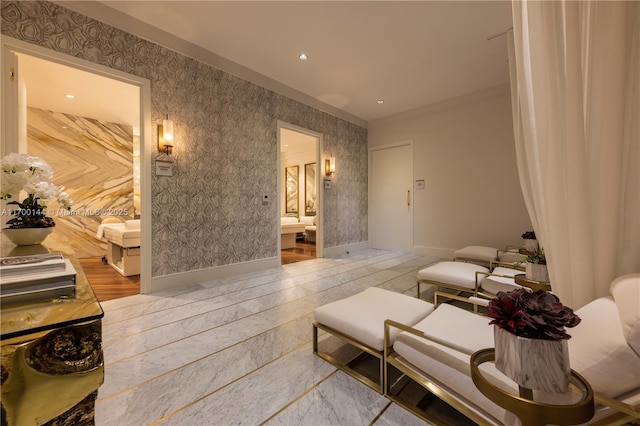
391, 197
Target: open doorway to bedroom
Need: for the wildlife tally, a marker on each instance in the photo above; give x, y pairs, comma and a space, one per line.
299, 194
87, 127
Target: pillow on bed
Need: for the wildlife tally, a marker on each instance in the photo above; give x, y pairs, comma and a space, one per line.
288, 219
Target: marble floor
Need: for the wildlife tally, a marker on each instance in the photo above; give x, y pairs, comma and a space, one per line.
238, 350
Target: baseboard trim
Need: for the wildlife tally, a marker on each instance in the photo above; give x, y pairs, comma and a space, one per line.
439, 253
345, 249
191, 278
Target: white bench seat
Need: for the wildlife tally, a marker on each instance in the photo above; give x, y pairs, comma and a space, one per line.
359, 320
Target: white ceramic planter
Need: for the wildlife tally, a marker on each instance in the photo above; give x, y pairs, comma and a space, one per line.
536, 364
537, 272
531, 246
27, 236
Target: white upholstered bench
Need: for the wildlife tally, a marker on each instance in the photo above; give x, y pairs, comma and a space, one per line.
359, 321
460, 276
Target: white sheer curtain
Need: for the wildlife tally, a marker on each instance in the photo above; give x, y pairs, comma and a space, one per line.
575, 83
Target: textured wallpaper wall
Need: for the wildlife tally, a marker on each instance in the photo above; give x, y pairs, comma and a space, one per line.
210, 212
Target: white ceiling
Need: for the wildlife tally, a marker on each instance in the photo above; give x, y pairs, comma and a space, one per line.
410, 54
47, 84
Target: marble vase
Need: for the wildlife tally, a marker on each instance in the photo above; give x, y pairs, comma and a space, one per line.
530, 245
537, 272
27, 236
535, 364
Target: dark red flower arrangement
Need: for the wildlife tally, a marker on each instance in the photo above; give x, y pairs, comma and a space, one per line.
536, 315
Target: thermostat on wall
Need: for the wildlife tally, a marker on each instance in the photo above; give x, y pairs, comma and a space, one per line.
420, 184
327, 184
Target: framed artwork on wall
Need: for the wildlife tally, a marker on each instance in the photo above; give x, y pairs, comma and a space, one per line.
291, 185
310, 189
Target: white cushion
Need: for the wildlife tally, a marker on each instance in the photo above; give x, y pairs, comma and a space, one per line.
459, 274
486, 254
291, 228
626, 293
362, 315
132, 224
288, 219
493, 284
308, 220
599, 351
457, 328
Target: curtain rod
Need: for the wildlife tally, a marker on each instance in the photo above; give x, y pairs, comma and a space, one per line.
499, 34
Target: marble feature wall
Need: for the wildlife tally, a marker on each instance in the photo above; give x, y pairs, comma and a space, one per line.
209, 213
94, 162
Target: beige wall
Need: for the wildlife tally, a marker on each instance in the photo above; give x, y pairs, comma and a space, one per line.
464, 150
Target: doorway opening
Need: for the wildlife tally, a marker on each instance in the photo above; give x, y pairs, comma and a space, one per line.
299, 194
87, 126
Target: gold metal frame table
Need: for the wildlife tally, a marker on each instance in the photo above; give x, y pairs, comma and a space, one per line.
530, 412
522, 280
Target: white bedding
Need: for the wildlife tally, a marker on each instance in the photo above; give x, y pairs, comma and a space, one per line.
125, 234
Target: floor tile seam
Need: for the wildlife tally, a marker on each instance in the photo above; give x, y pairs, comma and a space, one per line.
263, 312
189, 289
156, 296
173, 370
381, 413
277, 277
294, 285
107, 363
173, 413
244, 317
179, 306
241, 318
299, 397
253, 314
404, 255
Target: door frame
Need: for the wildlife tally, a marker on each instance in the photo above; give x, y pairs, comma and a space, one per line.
10, 143
320, 194
408, 142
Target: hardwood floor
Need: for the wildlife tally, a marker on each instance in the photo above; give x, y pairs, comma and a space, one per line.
108, 284
301, 252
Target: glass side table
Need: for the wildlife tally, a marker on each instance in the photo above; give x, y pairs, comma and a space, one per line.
50, 349
530, 412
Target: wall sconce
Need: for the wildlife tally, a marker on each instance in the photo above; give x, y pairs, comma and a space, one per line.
165, 136
330, 166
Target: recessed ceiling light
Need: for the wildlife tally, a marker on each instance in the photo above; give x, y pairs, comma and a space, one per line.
303, 56
69, 96
380, 101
